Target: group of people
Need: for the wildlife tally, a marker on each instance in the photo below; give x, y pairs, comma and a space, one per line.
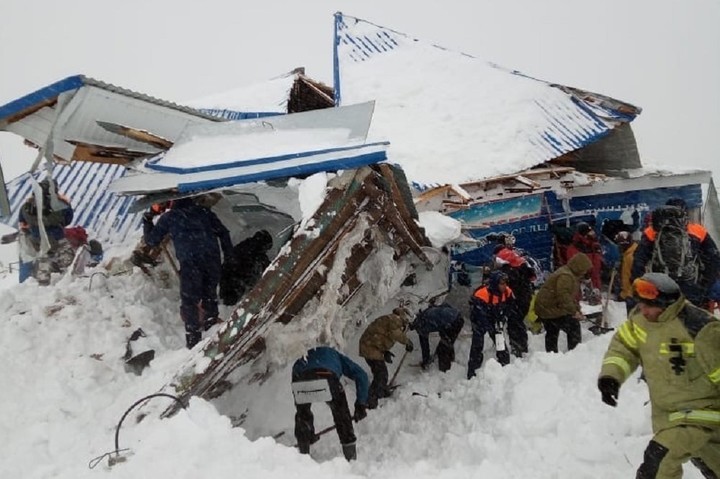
666, 279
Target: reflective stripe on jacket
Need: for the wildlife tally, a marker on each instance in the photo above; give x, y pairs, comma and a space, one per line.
680, 358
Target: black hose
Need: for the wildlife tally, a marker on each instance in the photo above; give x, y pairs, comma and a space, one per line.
94, 462
139, 401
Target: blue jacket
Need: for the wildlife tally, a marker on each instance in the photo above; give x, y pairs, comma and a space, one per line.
324, 357
195, 231
435, 319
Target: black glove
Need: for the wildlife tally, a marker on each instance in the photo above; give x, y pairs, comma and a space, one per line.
412, 326
409, 347
610, 390
360, 412
388, 357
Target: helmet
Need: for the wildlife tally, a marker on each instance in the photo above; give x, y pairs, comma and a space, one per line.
582, 228
656, 289
509, 240
623, 238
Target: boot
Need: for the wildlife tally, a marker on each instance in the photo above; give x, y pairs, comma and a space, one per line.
349, 451
192, 338
210, 322
304, 448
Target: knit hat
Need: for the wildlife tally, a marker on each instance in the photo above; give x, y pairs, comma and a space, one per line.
678, 203
656, 289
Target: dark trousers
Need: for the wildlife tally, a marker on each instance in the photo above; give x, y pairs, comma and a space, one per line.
517, 331
198, 289
445, 350
478, 344
304, 420
379, 385
567, 324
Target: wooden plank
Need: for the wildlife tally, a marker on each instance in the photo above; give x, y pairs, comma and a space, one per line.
104, 154
300, 273
136, 134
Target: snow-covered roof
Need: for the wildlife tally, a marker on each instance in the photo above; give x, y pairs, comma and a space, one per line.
478, 119
299, 144
270, 97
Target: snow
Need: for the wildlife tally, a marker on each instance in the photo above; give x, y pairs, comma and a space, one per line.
435, 104
266, 96
268, 143
439, 229
65, 390
65, 387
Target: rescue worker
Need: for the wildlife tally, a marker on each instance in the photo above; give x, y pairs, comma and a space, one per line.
627, 249
55, 215
491, 309
701, 247
195, 231
321, 369
520, 280
445, 320
585, 241
677, 346
557, 303
375, 344
245, 266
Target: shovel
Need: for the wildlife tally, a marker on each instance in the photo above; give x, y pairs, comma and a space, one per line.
601, 328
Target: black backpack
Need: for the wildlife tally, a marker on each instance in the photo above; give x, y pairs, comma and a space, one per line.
673, 253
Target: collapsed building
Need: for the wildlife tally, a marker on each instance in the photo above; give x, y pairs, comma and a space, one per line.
518, 155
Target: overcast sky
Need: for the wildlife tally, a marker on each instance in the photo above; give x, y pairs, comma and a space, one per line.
662, 55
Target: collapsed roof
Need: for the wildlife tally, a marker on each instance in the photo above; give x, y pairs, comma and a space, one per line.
92, 131
479, 119
362, 251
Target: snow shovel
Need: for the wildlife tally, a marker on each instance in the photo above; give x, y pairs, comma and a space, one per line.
601, 327
402, 360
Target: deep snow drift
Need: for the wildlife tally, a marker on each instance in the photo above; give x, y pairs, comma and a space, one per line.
65, 390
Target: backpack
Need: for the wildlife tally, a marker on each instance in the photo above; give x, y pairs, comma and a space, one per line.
673, 253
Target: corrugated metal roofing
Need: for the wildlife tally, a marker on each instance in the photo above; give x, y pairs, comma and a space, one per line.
104, 214
486, 121
52, 91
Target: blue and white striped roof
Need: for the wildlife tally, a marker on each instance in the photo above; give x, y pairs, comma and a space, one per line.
477, 119
105, 215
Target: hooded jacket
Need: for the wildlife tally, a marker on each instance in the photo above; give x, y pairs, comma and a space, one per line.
381, 335
558, 296
489, 307
680, 358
